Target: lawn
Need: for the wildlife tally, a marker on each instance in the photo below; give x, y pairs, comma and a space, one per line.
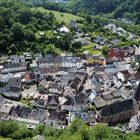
60, 16
89, 48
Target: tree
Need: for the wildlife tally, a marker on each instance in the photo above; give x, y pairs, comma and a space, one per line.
51, 49
18, 31
39, 129
2, 23
118, 12
22, 132
105, 50
25, 16
100, 132
76, 125
88, 19
7, 128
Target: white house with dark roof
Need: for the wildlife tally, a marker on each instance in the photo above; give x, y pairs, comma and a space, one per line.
15, 67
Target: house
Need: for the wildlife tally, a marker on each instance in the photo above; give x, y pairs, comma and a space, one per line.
99, 102
14, 84
64, 30
109, 80
13, 89
136, 58
14, 59
116, 53
40, 100
38, 56
82, 41
87, 117
53, 102
28, 56
99, 40
71, 62
30, 77
123, 75
57, 118
39, 114
115, 42
5, 110
23, 112
48, 61
77, 80
44, 85
48, 71
55, 88
66, 70
13, 67
4, 78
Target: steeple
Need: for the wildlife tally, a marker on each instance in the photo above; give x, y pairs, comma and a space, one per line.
137, 93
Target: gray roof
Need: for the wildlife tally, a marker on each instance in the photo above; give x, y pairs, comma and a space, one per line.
137, 93
117, 108
14, 82
15, 65
2, 99
99, 101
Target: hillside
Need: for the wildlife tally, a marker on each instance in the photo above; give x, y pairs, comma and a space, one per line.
60, 16
21, 26
117, 8
77, 130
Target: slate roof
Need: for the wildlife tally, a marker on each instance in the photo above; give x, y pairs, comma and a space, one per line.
2, 99
67, 69
14, 82
117, 108
53, 100
81, 98
60, 116
13, 65
99, 101
137, 93
49, 70
38, 114
24, 111
70, 101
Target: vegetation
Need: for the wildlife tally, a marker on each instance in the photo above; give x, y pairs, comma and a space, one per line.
60, 16
33, 29
117, 8
22, 27
76, 131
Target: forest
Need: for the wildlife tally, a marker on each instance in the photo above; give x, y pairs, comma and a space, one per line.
115, 8
78, 130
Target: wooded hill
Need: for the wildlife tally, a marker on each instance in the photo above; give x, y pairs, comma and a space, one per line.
117, 8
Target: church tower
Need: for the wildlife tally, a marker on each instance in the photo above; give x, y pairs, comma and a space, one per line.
136, 99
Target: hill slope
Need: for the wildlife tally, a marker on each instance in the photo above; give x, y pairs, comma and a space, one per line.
60, 16
118, 8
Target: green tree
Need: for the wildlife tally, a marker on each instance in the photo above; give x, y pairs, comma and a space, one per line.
18, 32
105, 50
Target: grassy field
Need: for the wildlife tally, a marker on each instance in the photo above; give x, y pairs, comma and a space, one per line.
65, 17
89, 48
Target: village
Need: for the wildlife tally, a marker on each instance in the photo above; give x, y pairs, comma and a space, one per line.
54, 89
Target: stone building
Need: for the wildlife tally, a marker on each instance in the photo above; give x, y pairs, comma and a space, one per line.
120, 111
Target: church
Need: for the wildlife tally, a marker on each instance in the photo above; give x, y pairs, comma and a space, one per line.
120, 111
